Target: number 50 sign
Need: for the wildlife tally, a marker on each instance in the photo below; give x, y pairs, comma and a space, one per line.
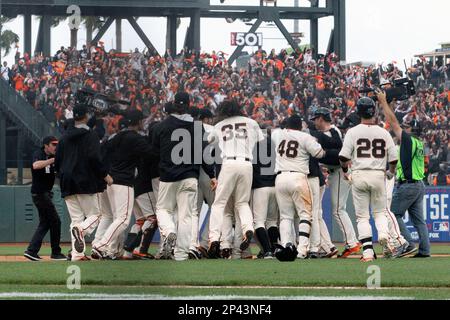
246, 39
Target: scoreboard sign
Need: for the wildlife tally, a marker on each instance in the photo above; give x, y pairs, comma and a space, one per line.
246, 39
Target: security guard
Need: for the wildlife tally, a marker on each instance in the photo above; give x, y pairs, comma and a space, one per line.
43, 174
410, 174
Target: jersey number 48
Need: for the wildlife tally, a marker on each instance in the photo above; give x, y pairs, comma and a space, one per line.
290, 148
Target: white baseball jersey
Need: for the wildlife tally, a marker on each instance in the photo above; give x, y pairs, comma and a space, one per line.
276, 136
369, 147
208, 128
294, 151
237, 137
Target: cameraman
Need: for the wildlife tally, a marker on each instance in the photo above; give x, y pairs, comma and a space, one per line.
410, 174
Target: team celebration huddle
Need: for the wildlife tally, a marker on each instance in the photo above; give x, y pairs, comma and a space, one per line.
261, 184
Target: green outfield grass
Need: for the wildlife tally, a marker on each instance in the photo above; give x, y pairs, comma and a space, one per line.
265, 279
18, 249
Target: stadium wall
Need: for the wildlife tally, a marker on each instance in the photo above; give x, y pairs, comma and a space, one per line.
19, 217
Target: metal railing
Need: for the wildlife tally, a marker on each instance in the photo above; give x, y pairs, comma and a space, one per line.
32, 122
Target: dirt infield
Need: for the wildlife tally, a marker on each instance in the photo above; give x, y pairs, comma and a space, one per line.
47, 258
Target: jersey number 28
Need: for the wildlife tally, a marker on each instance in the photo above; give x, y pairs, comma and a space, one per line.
369, 149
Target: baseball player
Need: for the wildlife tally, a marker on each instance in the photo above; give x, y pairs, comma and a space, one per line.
394, 231
125, 151
339, 187
263, 200
144, 211
292, 188
82, 178
369, 148
178, 185
205, 193
237, 136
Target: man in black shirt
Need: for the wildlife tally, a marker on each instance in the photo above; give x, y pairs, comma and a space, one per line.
124, 152
179, 179
83, 176
43, 174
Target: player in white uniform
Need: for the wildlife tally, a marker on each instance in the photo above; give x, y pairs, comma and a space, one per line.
394, 229
205, 193
369, 148
291, 186
340, 190
236, 137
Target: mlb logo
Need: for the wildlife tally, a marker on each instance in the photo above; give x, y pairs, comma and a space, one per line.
442, 226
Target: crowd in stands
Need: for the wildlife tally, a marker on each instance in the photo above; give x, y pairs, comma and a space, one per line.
273, 86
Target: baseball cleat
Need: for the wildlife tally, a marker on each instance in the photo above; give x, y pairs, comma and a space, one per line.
333, 251
268, 256
203, 251
143, 256
348, 251
83, 258
96, 254
214, 250
246, 241
313, 255
388, 250
32, 256
367, 259
169, 244
194, 255
79, 239
226, 253
302, 256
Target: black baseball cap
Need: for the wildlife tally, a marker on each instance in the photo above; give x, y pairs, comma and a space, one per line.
123, 123
205, 113
134, 116
322, 112
182, 98
49, 139
351, 121
80, 110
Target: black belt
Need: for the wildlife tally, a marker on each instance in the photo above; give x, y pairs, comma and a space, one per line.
238, 158
280, 172
409, 181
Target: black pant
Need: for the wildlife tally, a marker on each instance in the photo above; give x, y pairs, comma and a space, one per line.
48, 220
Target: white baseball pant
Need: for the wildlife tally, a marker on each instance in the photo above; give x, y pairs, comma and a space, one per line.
85, 213
394, 229
369, 191
320, 237
105, 220
340, 189
263, 202
294, 199
204, 194
121, 199
235, 179
181, 194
